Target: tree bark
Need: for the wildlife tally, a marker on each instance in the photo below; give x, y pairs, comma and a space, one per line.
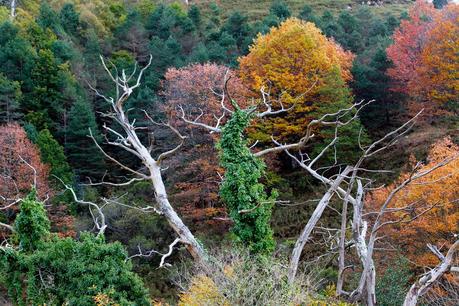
365, 252
131, 143
13, 9
305, 234
171, 216
421, 286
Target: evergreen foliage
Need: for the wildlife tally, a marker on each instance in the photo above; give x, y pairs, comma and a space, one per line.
52, 153
249, 206
56, 271
394, 283
280, 9
438, 4
83, 154
10, 97
32, 224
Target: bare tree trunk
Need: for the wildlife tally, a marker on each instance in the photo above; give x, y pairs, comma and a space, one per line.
130, 142
421, 286
342, 245
305, 234
365, 252
171, 216
13, 9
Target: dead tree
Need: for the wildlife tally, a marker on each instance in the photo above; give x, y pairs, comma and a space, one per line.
365, 226
422, 285
365, 230
129, 141
316, 215
270, 107
13, 9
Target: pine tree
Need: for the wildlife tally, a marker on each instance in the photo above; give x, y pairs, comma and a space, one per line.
195, 15
52, 154
439, 4
10, 96
69, 18
16, 55
307, 14
238, 27
48, 18
83, 154
280, 9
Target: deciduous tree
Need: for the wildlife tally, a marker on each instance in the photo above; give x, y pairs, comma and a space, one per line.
296, 63
409, 41
20, 166
437, 190
196, 89
425, 57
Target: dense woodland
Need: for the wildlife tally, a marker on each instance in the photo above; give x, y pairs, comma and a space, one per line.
229, 152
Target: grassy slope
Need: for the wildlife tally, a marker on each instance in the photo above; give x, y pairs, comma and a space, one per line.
257, 9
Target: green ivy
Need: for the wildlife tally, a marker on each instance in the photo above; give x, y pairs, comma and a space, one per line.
48, 270
32, 224
241, 189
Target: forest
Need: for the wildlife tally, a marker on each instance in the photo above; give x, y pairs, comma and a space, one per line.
229, 152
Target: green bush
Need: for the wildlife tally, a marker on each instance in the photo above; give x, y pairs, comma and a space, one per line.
56, 271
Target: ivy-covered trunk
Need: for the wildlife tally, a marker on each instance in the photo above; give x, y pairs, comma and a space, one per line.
249, 206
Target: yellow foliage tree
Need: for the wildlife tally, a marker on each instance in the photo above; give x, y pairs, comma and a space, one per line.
202, 291
301, 67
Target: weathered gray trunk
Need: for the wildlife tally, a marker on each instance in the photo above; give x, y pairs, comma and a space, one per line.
421, 286
172, 218
164, 207
367, 281
306, 233
13, 9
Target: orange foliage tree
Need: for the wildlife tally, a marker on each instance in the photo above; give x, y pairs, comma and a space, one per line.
439, 70
197, 89
300, 67
425, 55
439, 191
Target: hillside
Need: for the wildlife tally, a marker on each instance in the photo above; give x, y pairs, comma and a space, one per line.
256, 10
229, 152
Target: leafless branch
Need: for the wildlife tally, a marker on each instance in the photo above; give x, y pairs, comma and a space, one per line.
422, 285
152, 252
99, 221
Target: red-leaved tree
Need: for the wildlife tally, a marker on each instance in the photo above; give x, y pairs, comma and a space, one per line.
425, 57
20, 170
20, 167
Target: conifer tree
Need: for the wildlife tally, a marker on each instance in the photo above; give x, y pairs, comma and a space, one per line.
280, 9
83, 154
10, 96
69, 18
195, 15
48, 270
52, 153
